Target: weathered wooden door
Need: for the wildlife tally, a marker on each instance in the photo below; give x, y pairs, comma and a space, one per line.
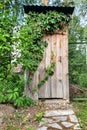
53, 88
57, 85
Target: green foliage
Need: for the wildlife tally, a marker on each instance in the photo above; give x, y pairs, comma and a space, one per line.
31, 46
29, 128
77, 52
39, 116
22, 101
81, 113
42, 82
76, 31
50, 69
77, 65
11, 90
11, 127
2, 98
83, 80
49, 72
81, 5
68, 3
12, 95
34, 89
25, 119
6, 42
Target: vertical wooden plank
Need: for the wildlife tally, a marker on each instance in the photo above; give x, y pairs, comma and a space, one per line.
44, 91
41, 69
47, 63
53, 59
65, 65
59, 67
35, 85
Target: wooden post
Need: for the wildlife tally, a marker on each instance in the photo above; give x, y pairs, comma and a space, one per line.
44, 2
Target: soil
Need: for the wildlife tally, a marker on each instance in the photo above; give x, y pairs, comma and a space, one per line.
19, 119
76, 91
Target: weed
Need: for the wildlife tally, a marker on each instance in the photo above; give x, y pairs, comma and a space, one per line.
39, 116
29, 128
82, 113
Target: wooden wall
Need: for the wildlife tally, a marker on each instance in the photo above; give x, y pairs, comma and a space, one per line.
57, 85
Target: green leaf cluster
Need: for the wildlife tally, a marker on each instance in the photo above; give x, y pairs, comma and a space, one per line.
77, 65
30, 37
11, 91
39, 116
6, 42
77, 52
49, 72
50, 69
29, 42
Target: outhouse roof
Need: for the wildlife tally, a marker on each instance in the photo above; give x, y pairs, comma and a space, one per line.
44, 9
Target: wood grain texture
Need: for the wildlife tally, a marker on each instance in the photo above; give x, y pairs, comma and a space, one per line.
59, 67
65, 66
48, 63
41, 70
56, 86
53, 59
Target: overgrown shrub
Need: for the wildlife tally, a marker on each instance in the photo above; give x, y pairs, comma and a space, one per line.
83, 80
11, 91
29, 42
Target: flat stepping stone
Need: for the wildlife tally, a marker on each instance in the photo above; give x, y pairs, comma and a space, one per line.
60, 118
67, 124
58, 113
55, 125
77, 127
73, 118
42, 128
45, 121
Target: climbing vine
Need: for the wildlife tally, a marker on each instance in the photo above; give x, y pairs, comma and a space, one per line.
31, 48
31, 44
48, 72
30, 36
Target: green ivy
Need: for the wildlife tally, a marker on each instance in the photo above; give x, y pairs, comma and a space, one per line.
31, 44
30, 36
49, 72
31, 48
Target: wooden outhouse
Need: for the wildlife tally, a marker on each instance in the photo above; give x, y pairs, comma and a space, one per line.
57, 86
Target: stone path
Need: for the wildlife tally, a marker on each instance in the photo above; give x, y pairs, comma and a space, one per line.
59, 120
